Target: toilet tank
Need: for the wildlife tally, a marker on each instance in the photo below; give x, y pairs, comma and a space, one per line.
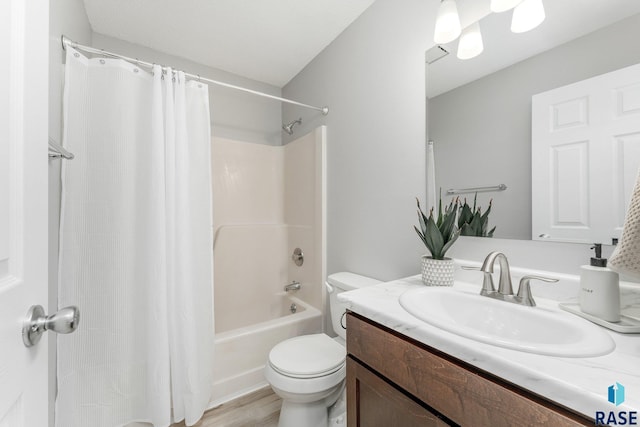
342, 282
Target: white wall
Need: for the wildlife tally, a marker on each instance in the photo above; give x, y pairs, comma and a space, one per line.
482, 130
372, 78
235, 115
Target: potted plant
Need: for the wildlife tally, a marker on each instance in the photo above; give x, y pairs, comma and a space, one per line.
438, 235
472, 222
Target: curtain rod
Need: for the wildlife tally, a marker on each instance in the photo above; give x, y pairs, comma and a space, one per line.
68, 42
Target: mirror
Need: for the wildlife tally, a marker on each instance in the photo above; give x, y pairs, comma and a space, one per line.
479, 110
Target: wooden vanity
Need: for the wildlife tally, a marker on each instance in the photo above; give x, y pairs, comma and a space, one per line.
393, 380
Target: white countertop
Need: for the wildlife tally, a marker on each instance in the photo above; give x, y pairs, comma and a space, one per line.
578, 383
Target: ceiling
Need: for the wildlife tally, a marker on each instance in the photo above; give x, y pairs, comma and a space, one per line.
265, 40
565, 20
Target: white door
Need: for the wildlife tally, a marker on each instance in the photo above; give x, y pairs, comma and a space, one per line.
24, 27
585, 157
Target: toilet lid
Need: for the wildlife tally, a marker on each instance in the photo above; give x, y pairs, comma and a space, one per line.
307, 356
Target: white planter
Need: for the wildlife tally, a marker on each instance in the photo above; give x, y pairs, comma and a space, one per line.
437, 272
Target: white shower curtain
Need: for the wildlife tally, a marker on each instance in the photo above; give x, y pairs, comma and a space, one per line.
432, 195
135, 246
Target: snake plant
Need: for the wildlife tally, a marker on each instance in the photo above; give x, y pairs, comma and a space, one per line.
438, 234
472, 222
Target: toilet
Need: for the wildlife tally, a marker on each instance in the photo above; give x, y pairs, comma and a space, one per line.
308, 372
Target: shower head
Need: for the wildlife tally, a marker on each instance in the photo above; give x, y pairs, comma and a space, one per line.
288, 128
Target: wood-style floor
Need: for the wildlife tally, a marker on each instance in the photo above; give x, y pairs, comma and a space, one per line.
258, 409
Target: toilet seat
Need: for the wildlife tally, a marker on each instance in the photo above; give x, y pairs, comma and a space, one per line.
307, 356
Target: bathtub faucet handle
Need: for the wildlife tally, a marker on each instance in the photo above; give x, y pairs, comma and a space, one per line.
293, 286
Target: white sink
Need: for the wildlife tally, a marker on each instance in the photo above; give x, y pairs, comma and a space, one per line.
540, 330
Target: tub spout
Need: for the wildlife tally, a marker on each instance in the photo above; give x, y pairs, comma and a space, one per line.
293, 286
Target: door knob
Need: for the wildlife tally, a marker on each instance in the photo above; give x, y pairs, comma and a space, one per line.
65, 321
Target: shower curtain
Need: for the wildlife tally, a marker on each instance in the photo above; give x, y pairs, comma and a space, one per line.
432, 197
135, 246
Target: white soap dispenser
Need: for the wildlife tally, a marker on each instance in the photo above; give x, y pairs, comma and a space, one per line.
600, 288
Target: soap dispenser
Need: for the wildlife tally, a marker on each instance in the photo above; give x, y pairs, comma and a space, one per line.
600, 288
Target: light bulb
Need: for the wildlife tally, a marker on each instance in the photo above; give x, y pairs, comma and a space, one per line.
470, 44
498, 6
447, 22
527, 15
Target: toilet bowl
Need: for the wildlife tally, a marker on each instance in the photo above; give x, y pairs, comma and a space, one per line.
308, 372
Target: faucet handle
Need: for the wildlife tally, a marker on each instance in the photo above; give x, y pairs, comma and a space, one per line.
524, 289
487, 282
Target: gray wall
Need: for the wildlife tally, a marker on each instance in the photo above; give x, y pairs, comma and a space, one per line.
372, 78
234, 114
482, 130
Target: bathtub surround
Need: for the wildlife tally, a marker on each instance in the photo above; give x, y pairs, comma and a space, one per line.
135, 249
268, 201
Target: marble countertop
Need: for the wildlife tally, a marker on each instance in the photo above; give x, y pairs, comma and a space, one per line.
578, 383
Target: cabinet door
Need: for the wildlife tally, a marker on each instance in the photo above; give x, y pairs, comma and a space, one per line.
372, 402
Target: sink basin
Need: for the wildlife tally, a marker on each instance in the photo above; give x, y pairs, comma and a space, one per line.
540, 330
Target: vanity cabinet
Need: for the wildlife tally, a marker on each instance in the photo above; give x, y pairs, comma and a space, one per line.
393, 380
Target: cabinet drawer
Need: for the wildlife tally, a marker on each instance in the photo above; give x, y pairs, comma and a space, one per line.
462, 393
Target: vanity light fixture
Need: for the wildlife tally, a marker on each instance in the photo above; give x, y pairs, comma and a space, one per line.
447, 23
498, 6
470, 44
527, 15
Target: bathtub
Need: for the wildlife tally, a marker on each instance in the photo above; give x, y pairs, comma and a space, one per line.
240, 354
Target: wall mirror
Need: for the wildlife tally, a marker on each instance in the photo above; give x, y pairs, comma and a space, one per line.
479, 110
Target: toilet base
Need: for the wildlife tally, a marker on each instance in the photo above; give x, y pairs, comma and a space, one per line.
326, 410
338, 411
314, 414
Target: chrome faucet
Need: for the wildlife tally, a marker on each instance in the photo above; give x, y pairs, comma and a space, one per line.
505, 289
504, 285
293, 286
